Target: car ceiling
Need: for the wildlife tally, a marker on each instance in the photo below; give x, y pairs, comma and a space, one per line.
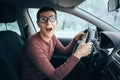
39, 3
7, 6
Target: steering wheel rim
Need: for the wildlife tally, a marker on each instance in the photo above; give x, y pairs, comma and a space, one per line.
91, 34
90, 37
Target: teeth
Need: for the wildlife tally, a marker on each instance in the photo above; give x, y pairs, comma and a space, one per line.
48, 28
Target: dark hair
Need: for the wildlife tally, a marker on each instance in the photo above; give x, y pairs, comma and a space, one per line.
44, 9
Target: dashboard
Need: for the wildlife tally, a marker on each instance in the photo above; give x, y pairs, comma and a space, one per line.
111, 42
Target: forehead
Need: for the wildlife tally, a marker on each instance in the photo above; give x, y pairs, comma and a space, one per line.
47, 13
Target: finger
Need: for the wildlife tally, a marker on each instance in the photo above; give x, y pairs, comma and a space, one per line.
90, 43
82, 34
83, 40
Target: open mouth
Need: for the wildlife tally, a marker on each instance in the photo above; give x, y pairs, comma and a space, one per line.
49, 29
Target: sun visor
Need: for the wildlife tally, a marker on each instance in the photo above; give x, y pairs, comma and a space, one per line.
69, 3
7, 13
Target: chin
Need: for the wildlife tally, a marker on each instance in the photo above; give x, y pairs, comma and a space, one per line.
49, 36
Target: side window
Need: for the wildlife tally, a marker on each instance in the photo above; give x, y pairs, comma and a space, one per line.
13, 26
68, 25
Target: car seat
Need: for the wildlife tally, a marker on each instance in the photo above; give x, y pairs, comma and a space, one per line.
10, 55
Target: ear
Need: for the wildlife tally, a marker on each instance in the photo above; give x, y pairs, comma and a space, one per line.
37, 24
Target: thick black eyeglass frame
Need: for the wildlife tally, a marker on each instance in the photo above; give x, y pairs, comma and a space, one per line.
44, 19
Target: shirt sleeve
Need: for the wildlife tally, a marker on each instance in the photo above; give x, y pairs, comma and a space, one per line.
65, 50
37, 56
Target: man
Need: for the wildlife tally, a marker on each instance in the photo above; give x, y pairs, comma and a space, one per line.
39, 49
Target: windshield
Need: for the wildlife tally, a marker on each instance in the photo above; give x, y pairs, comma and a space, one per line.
99, 9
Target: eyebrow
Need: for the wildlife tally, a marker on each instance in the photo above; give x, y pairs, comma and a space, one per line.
49, 16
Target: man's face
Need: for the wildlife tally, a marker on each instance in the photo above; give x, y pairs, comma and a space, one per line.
47, 23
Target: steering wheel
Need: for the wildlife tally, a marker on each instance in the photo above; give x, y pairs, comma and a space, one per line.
90, 37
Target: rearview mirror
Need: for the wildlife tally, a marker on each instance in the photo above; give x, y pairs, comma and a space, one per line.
113, 5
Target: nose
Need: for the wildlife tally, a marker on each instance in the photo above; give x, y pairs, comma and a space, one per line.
48, 21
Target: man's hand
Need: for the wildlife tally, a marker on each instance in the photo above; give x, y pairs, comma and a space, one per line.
83, 50
81, 34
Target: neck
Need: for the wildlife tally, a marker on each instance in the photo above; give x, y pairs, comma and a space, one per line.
45, 38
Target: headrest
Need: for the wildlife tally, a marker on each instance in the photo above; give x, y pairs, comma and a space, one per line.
10, 38
7, 13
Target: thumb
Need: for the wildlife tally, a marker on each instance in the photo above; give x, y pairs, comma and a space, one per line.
83, 41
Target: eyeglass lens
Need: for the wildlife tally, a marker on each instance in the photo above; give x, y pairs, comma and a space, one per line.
45, 19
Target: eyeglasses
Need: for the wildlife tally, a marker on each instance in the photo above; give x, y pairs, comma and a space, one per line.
45, 19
